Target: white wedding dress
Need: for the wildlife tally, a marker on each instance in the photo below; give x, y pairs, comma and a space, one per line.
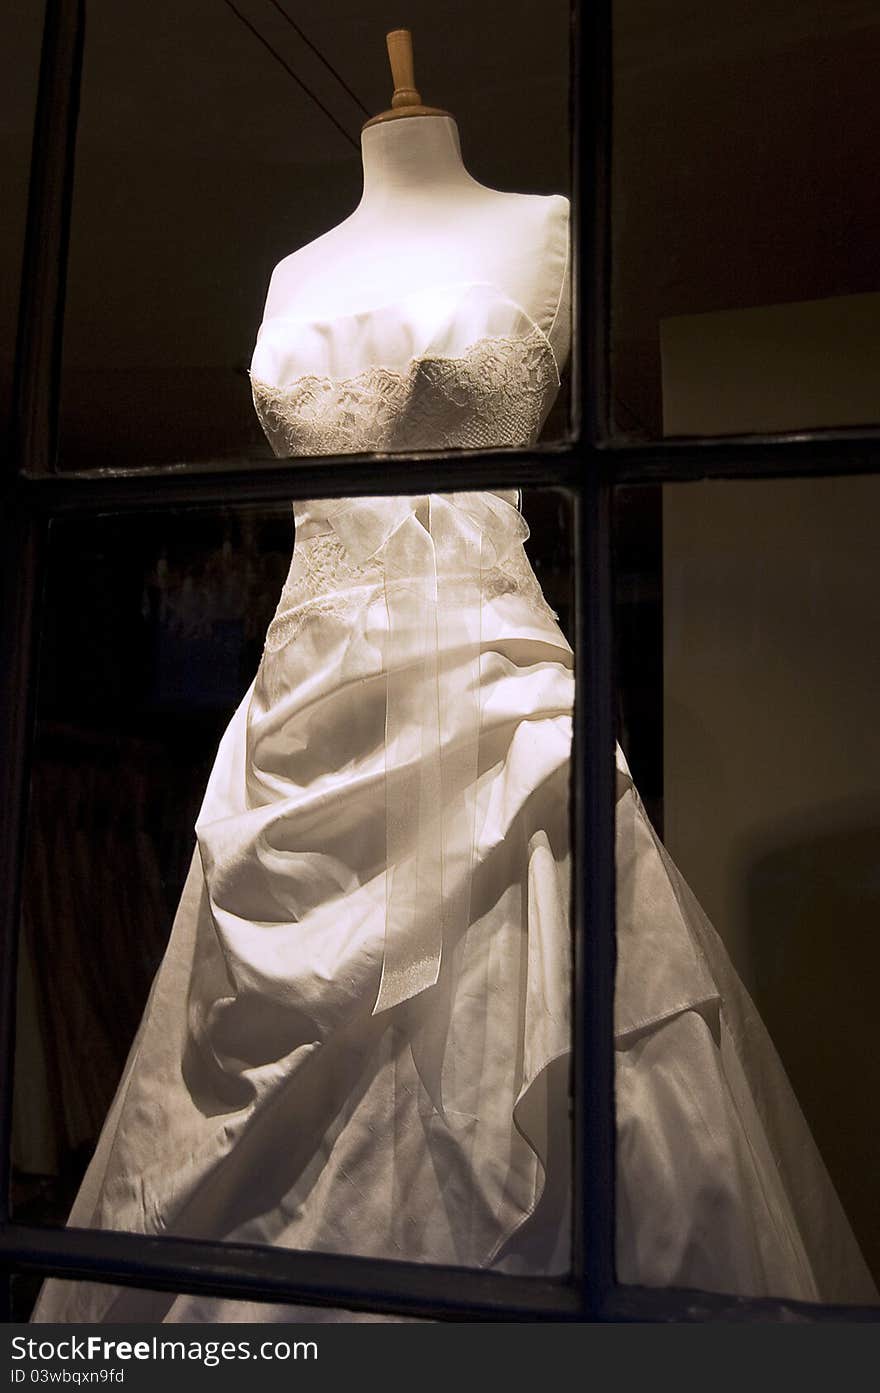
358, 1038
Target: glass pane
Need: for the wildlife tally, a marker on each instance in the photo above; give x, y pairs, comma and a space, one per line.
746, 217
747, 1076
295, 945
20, 32
202, 165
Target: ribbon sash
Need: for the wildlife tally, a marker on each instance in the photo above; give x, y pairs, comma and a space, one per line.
434, 549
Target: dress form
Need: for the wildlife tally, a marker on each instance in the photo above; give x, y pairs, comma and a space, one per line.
424, 223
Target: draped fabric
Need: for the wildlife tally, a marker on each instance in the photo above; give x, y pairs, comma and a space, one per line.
358, 1040
433, 587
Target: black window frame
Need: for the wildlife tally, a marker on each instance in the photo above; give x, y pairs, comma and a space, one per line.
589, 465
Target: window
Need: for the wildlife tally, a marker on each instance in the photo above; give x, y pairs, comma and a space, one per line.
95, 475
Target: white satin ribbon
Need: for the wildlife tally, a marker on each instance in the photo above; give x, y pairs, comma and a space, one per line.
434, 549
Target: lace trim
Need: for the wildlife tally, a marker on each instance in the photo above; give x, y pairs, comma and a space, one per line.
325, 583
496, 393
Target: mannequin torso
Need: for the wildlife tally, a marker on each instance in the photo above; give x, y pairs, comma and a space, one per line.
424, 224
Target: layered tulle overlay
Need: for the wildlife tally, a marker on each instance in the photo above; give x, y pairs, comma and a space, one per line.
358, 1039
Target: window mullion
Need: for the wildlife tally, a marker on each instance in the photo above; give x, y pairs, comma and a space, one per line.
23, 544
803, 454
593, 884
284, 1274
47, 236
593, 900
56, 495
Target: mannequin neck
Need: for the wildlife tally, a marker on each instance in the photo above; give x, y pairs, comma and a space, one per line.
411, 159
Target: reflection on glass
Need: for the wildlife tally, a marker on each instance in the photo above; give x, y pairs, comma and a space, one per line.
745, 216
356, 1036
770, 808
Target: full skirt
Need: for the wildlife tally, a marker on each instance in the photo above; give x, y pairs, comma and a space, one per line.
266, 1100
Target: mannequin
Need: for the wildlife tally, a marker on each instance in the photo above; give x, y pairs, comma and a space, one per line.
424, 222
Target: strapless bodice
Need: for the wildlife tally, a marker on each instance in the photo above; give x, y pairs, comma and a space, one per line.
461, 367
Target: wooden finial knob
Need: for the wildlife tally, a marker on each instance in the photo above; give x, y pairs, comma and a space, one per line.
400, 54
406, 100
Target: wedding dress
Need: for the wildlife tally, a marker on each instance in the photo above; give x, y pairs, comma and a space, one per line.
358, 1038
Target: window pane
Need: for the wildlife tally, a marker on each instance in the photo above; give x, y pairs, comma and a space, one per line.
295, 948
747, 1077
202, 164
746, 217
